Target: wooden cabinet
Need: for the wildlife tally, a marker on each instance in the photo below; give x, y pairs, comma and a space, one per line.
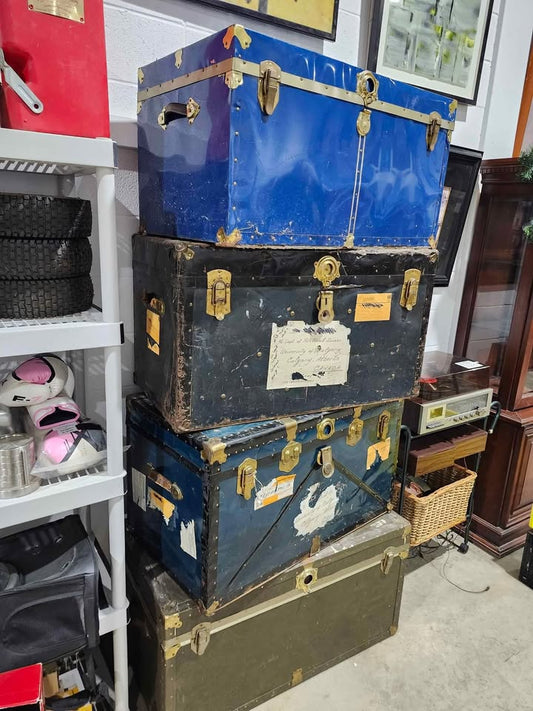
496, 327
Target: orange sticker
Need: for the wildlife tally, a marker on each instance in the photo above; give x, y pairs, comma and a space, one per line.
373, 307
380, 449
153, 330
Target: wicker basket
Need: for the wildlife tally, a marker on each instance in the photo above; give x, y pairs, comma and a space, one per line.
444, 508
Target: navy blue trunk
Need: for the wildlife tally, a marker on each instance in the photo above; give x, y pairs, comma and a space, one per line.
235, 335
343, 158
227, 508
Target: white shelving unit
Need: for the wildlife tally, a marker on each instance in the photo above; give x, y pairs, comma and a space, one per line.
48, 154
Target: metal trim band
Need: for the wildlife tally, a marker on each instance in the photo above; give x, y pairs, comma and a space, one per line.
222, 624
292, 80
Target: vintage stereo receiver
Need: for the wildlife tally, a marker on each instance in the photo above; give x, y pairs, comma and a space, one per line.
422, 416
453, 390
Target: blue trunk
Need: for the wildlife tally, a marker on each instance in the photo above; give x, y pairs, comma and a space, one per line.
303, 175
217, 541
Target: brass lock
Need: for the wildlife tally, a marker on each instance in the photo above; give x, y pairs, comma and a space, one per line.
325, 459
290, 456
325, 428
367, 86
306, 578
268, 86
383, 425
355, 428
218, 301
246, 477
409, 295
324, 304
327, 269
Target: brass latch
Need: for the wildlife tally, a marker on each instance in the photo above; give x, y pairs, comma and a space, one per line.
327, 270
409, 295
432, 133
383, 425
325, 459
200, 636
355, 428
268, 86
386, 562
290, 454
246, 477
218, 302
324, 304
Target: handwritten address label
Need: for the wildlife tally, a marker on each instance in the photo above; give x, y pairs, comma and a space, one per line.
303, 355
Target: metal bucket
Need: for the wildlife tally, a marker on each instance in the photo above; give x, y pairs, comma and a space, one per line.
17, 457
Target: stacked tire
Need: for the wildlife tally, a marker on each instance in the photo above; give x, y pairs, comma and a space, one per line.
45, 256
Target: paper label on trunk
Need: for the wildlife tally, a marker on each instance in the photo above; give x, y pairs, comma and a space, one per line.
165, 507
316, 512
138, 488
187, 538
153, 331
303, 355
373, 307
381, 449
278, 488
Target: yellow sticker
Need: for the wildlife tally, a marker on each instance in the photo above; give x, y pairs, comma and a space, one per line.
158, 502
278, 488
153, 330
373, 307
381, 449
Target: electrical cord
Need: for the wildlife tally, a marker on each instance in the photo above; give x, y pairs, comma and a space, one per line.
444, 541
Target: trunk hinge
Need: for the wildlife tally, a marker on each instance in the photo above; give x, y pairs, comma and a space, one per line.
355, 428
411, 281
290, 454
218, 301
268, 86
246, 474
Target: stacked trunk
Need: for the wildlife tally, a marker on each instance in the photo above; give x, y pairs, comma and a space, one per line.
282, 286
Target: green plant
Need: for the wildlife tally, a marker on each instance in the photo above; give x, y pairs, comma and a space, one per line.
526, 162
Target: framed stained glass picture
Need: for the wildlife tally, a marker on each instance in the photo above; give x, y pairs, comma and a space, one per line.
313, 17
433, 44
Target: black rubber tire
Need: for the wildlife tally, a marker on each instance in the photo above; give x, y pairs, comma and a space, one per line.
44, 258
44, 217
45, 298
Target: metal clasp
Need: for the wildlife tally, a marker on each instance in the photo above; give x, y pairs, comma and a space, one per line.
432, 133
355, 428
325, 459
290, 454
411, 281
327, 270
324, 304
383, 425
200, 636
218, 303
246, 477
268, 86
306, 578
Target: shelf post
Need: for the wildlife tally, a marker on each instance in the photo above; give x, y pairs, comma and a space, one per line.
117, 552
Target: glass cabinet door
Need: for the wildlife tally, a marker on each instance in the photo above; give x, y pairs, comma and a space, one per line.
498, 281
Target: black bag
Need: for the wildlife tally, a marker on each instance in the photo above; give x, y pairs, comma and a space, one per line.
48, 593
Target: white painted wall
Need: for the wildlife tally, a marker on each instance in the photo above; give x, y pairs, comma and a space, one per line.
139, 31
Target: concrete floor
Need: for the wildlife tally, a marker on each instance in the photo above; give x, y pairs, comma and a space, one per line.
453, 649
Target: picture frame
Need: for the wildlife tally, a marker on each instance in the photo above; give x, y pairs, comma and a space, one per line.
459, 184
435, 46
313, 17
